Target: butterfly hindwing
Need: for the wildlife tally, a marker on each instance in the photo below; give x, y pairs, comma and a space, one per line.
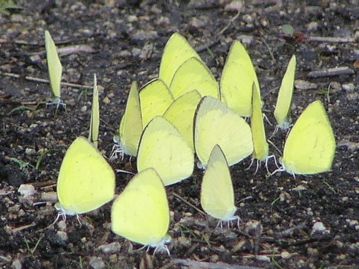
86, 181
310, 146
284, 100
176, 52
141, 212
163, 148
215, 124
131, 123
217, 195
193, 74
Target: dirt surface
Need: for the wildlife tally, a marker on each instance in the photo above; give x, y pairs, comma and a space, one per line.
301, 222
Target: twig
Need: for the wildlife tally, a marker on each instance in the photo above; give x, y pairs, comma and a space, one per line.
290, 231
331, 39
18, 229
46, 81
216, 39
209, 265
337, 71
69, 50
188, 203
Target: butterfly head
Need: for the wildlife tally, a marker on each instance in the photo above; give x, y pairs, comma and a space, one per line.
161, 246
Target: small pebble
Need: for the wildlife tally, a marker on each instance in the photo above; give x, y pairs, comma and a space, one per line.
304, 85
318, 227
110, 248
16, 264
26, 190
62, 236
348, 87
97, 263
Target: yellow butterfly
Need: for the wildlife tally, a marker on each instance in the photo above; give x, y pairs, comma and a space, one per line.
193, 74
141, 213
181, 114
130, 126
95, 116
260, 144
86, 181
176, 52
55, 68
215, 123
237, 78
310, 146
284, 100
217, 195
155, 98
163, 148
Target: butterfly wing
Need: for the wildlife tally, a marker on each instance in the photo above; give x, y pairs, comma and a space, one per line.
260, 144
284, 100
237, 78
163, 148
215, 124
155, 98
193, 74
310, 146
217, 195
176, 52
131, 123
86, 181
181, 114
141, 212
54, 65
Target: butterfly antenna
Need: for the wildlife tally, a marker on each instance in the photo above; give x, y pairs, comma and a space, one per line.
270, 142
124, 171
267, 120
274, 132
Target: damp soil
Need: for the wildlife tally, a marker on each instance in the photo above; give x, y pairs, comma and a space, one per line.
286, 221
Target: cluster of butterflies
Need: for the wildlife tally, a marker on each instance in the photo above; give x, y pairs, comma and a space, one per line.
183, 113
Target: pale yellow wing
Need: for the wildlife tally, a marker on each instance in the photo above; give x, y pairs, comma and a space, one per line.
141, 213
163, 148
284, 100
181, 115
54, 66
193, 74
86, 181
176, 52
310, 146
217, 195
260, 144
215, 124
155, 98
95, 116
131, 123
237, 78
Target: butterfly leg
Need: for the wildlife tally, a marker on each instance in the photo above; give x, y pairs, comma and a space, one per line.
250, 165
